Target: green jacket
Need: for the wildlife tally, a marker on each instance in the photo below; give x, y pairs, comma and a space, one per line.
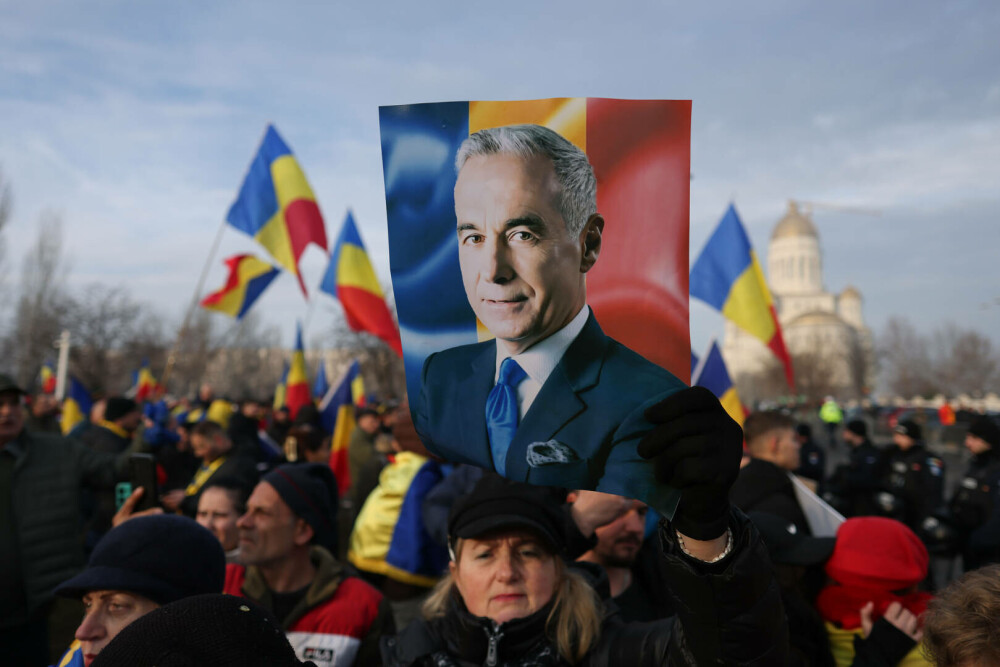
49, 473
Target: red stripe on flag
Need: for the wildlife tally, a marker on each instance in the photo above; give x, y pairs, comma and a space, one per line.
232, 281
305, 226
777, 346
296, 396
368, 312
641, 153
341, 470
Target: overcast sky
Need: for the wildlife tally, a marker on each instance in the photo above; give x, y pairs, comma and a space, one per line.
136, 122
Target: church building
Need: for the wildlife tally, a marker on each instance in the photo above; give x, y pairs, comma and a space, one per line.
824, 330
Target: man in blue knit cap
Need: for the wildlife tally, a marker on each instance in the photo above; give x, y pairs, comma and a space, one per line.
144, 563
287, 541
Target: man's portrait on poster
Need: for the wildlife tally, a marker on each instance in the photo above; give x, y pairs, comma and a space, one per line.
552, 399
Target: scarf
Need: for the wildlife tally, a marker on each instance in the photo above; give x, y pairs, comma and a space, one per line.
841, 605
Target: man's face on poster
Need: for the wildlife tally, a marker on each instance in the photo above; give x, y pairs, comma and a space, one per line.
522, 270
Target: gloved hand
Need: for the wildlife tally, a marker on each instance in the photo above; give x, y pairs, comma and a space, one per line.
695, 447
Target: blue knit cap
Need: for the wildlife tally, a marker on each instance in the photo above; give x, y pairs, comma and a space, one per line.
310, 491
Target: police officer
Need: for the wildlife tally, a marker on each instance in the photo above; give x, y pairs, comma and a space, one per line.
975, 506
854, 484
812, 458
912, 479
831, 416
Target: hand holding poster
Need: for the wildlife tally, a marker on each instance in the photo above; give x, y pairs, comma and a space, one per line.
514, 229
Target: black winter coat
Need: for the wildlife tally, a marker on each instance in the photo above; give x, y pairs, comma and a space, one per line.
728, 613
47, 480
764, 487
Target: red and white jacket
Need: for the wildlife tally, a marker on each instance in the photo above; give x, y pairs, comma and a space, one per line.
339, 621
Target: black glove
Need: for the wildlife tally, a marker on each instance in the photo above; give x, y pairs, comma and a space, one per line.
696, 448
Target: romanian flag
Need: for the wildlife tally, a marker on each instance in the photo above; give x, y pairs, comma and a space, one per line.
143, 382
714, 376
281, 389
640, 151
76, 406
728, 277
351, 279
47, 378
321, 385
297, 382
248, 278
277, 207
337, 416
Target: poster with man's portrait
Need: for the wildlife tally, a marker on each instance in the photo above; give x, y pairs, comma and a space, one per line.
539, 260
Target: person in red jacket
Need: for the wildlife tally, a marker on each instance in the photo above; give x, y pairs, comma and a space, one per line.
287, 538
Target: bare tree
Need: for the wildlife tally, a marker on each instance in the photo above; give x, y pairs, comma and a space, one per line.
244, 364
951, 360
381, 367
195, 350
906, 360
964, 361
39, 314
861, 366
6, 203
112, 336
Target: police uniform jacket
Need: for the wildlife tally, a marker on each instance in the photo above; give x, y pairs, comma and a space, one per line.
916, 478
973, 510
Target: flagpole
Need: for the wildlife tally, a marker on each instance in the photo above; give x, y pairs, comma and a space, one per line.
62, 367
171, 358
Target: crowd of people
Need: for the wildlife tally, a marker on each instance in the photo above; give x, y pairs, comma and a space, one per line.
256, 553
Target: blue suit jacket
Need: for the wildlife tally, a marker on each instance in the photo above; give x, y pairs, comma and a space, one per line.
581, 431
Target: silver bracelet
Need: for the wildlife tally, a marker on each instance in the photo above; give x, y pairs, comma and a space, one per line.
725, 552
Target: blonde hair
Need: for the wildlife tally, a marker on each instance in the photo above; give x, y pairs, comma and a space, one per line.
573, 625
962, 624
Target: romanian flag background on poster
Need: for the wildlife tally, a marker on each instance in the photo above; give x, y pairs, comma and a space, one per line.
248, 278
47, 378
277, 207
640, 152
297, 381
714, 376
336, 412
351, 279
728, 277
76, 406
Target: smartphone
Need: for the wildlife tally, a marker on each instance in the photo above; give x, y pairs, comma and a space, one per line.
142, 472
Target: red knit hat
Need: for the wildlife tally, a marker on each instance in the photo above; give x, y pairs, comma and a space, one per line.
876, 552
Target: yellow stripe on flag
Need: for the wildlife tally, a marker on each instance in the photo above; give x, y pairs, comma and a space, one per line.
749, 303
274, 237
731, 402
250, 268
289, 181
565, 115
231, 302
71, 415
357, 389
297, 371
355, 270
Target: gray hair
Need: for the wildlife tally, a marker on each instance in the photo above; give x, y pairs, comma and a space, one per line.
578, 196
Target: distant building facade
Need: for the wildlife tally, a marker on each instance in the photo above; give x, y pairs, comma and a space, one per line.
826, 328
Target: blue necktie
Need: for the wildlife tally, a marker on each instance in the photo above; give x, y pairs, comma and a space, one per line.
501, 411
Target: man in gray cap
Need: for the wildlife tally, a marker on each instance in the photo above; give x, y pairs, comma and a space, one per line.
287, 538
40, 479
